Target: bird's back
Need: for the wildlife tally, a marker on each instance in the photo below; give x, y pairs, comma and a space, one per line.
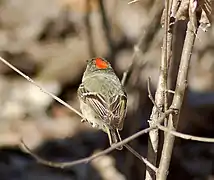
106, 85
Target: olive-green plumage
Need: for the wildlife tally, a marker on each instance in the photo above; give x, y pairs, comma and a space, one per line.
103, 100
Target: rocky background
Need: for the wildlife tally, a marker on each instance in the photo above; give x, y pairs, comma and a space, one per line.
50, 41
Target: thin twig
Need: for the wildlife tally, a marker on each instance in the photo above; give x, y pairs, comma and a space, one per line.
134, 1
136, 154
147, 163
171, 91
186, 136
150, 95
125, 77
165, 54
83, 160
41, 89
108, 150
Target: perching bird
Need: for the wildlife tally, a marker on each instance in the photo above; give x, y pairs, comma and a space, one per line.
103, 100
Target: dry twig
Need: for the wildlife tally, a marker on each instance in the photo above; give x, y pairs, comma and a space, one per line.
87, 159
108, 150
150, 95
41, 89
150, 165
134, 1
185, 136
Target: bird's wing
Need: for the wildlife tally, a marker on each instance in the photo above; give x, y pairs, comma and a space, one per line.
112, 113
118, 107
95, 100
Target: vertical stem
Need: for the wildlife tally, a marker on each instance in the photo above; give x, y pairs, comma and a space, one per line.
177, 101
161, 94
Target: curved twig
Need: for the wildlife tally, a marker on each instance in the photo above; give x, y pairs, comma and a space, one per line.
108, 150
87, 159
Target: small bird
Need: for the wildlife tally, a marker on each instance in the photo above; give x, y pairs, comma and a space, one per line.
103, 100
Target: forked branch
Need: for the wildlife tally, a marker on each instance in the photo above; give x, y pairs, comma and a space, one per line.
181, 85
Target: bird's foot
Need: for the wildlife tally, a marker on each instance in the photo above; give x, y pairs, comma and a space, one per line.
94, 125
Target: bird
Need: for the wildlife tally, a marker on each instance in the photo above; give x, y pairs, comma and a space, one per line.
103, 100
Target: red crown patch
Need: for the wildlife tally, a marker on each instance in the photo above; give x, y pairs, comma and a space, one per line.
101, 64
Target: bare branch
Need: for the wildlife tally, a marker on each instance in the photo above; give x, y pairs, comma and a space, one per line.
150, 95
41, 89
108, 150
178, 98
134, 1
87, 159
171, 91
147, 163
185, 136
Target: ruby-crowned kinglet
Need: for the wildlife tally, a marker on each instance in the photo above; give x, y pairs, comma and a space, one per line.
103, 100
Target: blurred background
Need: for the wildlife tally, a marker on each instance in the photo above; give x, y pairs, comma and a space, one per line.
50, 41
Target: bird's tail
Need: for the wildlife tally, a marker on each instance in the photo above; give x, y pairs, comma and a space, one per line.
114, 137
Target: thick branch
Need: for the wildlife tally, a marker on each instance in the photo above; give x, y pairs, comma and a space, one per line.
177, 101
